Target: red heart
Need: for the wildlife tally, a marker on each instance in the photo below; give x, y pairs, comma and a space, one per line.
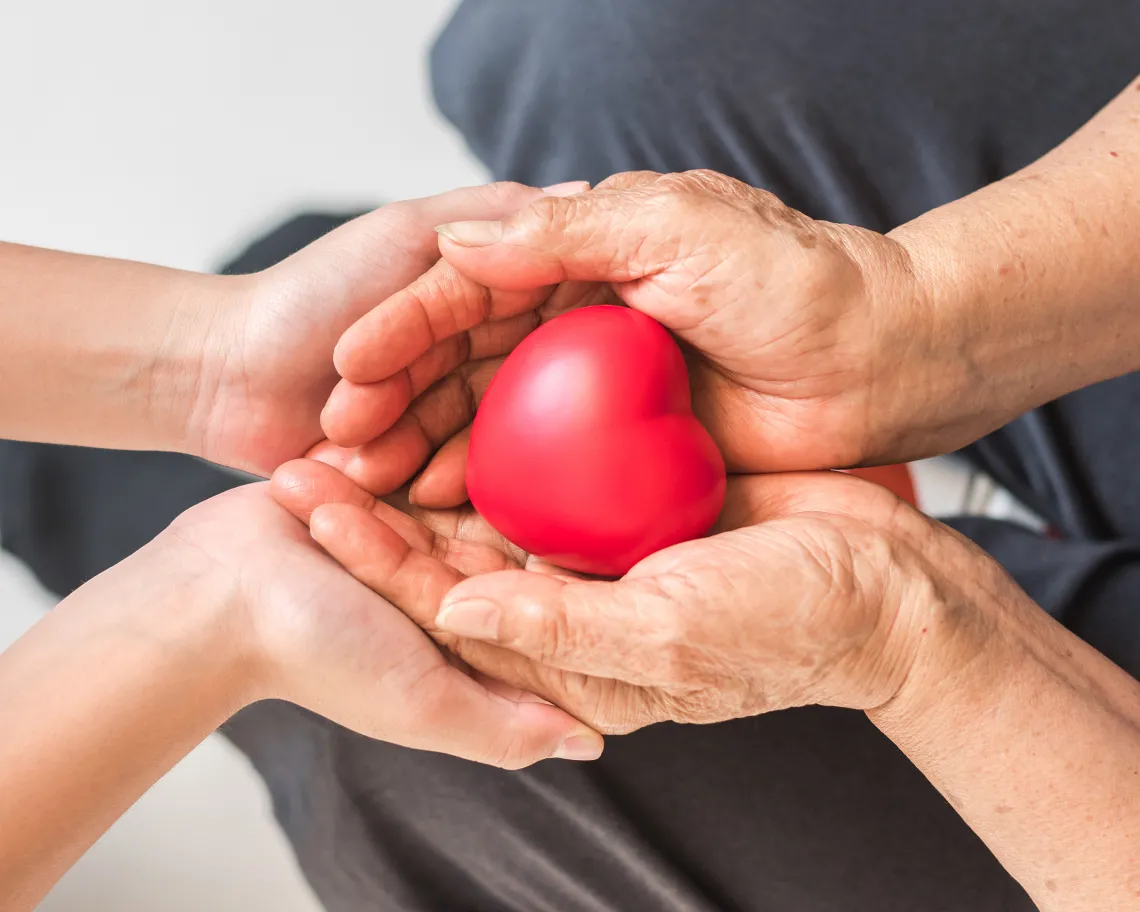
585, 450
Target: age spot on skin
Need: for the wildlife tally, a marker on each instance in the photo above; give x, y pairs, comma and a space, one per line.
1051, 886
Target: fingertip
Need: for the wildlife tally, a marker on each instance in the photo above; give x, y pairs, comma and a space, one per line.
582, 746
434, 490
343, 353
379, 344
289, 483
385, 464
322, 522
354, 349
286, 471
356, 413
331, 418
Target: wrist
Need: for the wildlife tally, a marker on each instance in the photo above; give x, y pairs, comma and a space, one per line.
1026, 296
939, 383
177, 603
898, 304
958, 619
185, 374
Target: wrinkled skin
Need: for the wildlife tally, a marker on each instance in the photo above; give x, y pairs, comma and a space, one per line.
804, 595
797, 331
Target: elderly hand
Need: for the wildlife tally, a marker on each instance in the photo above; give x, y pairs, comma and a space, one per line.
812, 344
815, 589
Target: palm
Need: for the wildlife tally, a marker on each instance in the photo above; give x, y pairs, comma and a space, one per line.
324, 641
273, 561
780, 570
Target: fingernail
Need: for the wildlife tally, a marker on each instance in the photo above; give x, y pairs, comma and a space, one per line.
413, 493
579, 747
476, 619
473, 234
569, 188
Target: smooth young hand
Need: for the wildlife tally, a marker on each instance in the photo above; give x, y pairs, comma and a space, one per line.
268, 368
307, 632
236, 369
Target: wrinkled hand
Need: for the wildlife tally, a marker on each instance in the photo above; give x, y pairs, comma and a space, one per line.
808, 341
307, 632
268, 369
815, 589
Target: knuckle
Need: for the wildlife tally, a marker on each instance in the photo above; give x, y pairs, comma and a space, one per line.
587, 698
673, 661
676, 191
628, 180
549, 216
444, 408
766, 200
500, 193
440, 548
445, 300
609, 707
556, 637
703, 182
712, 181
701, 705
624, 710
506, 188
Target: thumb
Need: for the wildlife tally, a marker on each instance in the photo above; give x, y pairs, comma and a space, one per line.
612, 235
622, 630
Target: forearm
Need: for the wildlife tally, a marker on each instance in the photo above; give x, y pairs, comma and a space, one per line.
1034, 738
99, 700
1031, 282
102, 352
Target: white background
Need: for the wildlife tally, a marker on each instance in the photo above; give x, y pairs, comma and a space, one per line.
171, 132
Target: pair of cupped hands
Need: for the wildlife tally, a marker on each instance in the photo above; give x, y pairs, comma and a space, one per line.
806, 343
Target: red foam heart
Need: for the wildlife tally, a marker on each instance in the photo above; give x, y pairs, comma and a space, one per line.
585, 450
